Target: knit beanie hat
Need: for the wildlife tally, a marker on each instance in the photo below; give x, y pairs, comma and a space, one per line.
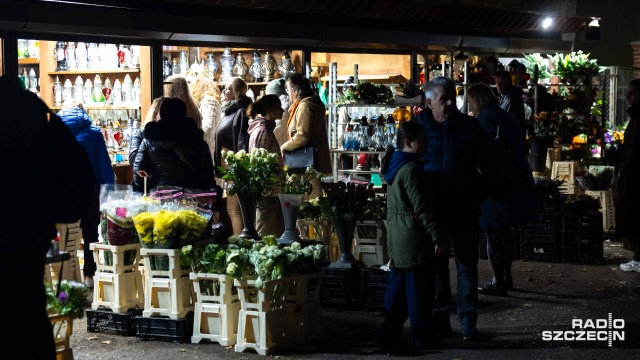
276, 87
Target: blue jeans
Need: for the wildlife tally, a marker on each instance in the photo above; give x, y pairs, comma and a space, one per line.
409, 294
465, 246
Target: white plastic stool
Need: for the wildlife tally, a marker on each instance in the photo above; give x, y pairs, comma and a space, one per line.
167, 292
215, 314
117, 286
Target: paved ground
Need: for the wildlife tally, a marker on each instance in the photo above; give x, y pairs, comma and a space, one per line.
548, 297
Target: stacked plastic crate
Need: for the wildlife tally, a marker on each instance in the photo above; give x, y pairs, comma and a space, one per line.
216, 309
340, 288
370, 243
581, 237
303, 300
540, 241
374, 288
566, 171
169, 298
118, 295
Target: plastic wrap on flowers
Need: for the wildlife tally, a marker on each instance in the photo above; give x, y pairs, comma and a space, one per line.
196, 222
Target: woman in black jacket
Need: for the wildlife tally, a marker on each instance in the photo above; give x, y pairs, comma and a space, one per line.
233, 134
173, 152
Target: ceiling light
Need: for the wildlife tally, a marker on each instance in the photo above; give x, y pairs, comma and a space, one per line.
546, 23
594, 23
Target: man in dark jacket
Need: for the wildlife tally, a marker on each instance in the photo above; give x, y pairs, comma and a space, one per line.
173, 152
511, 99
47, 180
457, 153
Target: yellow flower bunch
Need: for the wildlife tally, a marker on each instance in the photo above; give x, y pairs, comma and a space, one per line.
166, 229
193, 224
144, 226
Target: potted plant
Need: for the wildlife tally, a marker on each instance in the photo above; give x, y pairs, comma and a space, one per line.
364, 92
344, 203
292, 189
251, 175
63, 307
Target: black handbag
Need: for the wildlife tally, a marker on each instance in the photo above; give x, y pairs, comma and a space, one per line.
300, 159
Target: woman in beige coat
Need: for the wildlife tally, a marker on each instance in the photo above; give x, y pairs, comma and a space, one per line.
307, 125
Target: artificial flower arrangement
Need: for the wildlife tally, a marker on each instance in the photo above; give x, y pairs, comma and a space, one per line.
299, 183
366, 92
256, 172
345, 200
574, 65
70, 301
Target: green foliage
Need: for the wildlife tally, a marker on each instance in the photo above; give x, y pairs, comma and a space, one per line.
310, 210
531, 60
299, 183
574, 65
345, 200
579, 204
366, 92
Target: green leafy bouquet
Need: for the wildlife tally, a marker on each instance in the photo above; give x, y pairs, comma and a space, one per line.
299, 184
345, 200
366, 92
256, 172
69, 302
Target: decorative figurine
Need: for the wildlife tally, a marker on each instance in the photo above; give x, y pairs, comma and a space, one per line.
212, 66
106, 91
67, 91
255, 70
78, 92
241, 68
71, 56
286, 67
184, 62
166, 68
226, 63
93, 62
121, 57
60, 57
268, 67
81, 56
87, 92
117, 92
57, 92
24, 79
127, 88
33, 80
175, 67
135, 92
98, 96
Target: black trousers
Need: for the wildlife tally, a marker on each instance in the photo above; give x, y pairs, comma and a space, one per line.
89, 224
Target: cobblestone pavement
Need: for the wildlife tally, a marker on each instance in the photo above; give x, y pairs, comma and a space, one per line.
547, 297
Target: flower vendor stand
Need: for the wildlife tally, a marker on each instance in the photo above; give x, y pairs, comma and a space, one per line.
303, 300
167, 292
62, 328
118, 285
216, 309
264, 315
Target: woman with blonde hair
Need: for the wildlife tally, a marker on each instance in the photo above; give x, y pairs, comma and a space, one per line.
206, 95
180, 89
232, 134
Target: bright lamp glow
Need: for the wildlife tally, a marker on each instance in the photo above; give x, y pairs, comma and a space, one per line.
546, 23
594, 23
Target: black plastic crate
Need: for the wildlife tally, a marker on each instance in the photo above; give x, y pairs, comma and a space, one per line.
373, 278
343, 279
107, 321
340, 299
581, 238
540, 251
164, 328
373, 300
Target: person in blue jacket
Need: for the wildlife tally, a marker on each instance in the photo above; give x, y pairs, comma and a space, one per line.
92, 140
514, 201
458, 152
415, 232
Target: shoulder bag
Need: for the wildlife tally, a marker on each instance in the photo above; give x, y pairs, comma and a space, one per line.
300, 159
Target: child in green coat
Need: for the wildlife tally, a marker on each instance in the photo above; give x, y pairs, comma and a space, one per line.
414, 234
